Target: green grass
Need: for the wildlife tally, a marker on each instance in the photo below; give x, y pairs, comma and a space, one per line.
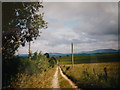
93, 75
90, 58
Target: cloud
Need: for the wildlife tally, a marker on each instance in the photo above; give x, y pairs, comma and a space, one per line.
90, 25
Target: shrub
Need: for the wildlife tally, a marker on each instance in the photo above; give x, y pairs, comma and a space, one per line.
52, 61
25, 66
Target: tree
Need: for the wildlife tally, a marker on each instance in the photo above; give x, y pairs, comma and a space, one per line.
47, 55
35, 56
21, 23
52, 61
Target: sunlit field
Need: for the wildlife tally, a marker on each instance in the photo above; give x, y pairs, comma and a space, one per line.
93, 71
114, 57
94, 75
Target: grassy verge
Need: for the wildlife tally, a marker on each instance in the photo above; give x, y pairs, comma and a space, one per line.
40, 80
22, 72
94, 75
62, 82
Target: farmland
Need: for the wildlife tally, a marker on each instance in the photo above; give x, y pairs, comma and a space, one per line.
114, 57
93, 71
94, 75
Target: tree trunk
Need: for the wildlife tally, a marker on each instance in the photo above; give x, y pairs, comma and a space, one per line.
29, 51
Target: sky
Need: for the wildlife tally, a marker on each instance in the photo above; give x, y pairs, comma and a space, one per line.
89, 25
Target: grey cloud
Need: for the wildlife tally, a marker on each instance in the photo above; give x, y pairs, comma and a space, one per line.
96, 18
97, 27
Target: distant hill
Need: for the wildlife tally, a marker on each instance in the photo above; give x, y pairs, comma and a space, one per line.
102, 51
23, 55
94, 52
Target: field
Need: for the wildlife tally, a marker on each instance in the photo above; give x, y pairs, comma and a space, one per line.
93, 71
90, 58
94, 75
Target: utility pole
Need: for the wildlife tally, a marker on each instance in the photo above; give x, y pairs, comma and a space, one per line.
72, 51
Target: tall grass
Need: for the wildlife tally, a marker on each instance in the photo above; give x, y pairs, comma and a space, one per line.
39, 80
18, 67
94, 75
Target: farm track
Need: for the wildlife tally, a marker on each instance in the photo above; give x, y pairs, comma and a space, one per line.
55, 82
66, 78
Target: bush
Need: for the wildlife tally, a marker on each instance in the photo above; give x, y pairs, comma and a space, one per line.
33, 66
42, 63
25, 66
52, 61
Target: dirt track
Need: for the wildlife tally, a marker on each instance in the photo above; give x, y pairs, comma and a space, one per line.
55, 82
66, 78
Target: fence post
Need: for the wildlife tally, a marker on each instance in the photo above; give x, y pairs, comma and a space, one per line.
94, 71
106, 75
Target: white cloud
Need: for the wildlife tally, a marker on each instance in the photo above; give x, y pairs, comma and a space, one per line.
89, 25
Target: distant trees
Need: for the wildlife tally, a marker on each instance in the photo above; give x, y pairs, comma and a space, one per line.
60, 56
21, 23
52, 60
35, 56
47, 55
67, 55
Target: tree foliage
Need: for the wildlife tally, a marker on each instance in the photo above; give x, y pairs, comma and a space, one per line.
52, 61
47, 55
21, 23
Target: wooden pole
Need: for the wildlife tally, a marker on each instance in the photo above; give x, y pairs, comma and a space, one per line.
72, 50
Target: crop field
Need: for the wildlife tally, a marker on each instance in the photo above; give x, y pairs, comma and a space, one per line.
94, 75
93, 71
90, 58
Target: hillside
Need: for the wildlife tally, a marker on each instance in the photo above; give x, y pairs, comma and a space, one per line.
95, 52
